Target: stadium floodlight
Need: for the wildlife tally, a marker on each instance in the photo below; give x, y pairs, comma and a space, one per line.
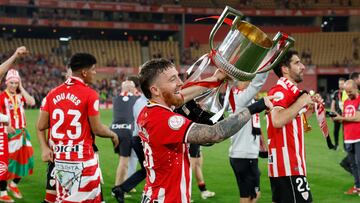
64, 39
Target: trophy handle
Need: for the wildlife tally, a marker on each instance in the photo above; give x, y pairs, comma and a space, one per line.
228, 10
280, 52
231, 70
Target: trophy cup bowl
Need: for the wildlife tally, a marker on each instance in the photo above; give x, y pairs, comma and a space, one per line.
246, 50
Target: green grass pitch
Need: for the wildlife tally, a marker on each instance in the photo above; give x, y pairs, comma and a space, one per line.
327, 179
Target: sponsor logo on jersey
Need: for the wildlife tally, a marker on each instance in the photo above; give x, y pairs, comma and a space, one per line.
66, 148
121, 126
175, 122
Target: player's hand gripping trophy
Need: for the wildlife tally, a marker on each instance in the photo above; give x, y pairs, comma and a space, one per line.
245, 52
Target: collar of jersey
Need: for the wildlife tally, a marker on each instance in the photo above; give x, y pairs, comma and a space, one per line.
77, 79
126, 94
154, 104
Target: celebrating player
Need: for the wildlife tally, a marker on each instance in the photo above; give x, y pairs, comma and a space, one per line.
287, 168
165, 133
4, 119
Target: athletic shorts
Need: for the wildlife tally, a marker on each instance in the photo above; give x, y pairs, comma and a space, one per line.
290, 189
50, 177
78, 181
124, 147
194, 151
247, 176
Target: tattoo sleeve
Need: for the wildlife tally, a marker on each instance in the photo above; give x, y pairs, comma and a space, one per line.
205, 134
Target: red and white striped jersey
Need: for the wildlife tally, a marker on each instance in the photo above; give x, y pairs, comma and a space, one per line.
69, 106
13, 107
164, 134
286, 144
351, 129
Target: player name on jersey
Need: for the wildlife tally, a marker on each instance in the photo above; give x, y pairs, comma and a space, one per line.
68, 96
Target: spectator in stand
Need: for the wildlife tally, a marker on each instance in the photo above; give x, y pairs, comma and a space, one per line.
356, 54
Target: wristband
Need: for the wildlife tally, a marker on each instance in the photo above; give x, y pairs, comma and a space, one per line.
257, 107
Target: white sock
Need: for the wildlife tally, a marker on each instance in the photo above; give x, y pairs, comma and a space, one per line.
4, 118
3, 193
13, 184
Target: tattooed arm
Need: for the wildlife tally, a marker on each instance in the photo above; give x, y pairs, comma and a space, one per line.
207, 134
204, 134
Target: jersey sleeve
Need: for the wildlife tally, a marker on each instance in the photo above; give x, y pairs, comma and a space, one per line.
93, 104
2, 104
282, 100
334, 95
170, 128
44, 104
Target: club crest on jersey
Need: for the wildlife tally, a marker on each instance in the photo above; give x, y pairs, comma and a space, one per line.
3, 168
175, 122
305, 195
96, 105
349, 111
279, 96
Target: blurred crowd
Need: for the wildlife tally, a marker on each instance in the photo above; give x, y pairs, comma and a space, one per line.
35, 71
39, 75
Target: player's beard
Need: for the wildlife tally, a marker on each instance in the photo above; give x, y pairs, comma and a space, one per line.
299, 78
172, 99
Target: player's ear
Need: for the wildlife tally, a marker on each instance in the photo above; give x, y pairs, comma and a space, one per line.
84, 72
154, 90
284, 70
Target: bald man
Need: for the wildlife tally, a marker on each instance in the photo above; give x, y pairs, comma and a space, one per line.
351, 122
122, 125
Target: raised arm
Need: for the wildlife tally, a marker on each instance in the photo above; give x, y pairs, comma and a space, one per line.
281, 116
28, 98
250, 92
203, 134
4, 67
191, 92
